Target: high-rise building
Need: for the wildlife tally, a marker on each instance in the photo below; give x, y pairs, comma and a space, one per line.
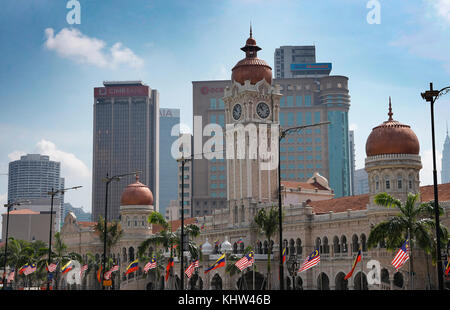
31, 178
445, 173
299, 61
168, 133
351, 144
361, 182
126, 139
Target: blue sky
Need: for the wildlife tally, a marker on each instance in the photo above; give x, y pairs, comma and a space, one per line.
49, 68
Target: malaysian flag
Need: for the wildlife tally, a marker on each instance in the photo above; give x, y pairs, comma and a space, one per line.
190, 270
83, 269
150, 265
11, 276
402, 256
312, 260
245, 261
107, 275
30, 269
51, 267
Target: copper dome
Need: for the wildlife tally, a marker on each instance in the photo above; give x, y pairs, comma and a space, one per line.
251, 67
392, 137
137, 194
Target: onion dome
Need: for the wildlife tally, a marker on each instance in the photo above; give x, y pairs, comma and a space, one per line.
206, 247
226, 246
251, 67
137, 194
392, 137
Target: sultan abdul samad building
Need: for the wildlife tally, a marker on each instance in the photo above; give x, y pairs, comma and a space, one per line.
312, 218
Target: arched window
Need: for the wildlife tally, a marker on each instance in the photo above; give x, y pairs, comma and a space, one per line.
292, 247
363, 242
143, 221
266, 247
235, 214
131, 254
235, 248
242, 214
271, 246
399, 182
387, 182
135, 221
319, 244
377, 183
336, 246
128, 222
259, 247
299, 246
124, 254
326, 247
344, 246
355, 243
410, 182
241, 247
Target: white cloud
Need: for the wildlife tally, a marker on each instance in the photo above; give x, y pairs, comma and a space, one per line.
426, 173
70, 164
353, 127
3, 199
72, 44
442, 8
15, 155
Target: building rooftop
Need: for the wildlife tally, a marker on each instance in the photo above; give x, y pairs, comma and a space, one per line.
123, 83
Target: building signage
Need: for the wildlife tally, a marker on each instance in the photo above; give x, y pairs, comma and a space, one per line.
205, 90
311, 66
121, 91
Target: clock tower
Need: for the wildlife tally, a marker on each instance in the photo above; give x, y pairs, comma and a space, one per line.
251, 112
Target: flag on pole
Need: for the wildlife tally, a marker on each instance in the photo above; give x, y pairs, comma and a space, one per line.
132, 267
312, 260
67, 267
240, 240
245, 261
51, 267
82, 270
190, 270
170, 264
11, 276
355, 262
99, 271
150, 265
402, 256
22, 269
220, 262
284, 255
447, 268
31, 268
109, 272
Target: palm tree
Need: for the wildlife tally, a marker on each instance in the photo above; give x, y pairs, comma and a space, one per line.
38, 256
19, 252
267, 222
413, 222
113, 234
231, 260
61, 257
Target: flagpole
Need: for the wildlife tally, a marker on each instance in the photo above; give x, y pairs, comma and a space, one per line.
362, 263
411, 287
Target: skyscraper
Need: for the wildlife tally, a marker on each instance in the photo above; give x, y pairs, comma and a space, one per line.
168, 119
31, 178
299, 61
445, 173
126, 139
351, 144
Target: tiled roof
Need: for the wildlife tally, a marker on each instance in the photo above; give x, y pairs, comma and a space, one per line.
23, 211
174, 224
359, 202
427, 192
87, 224
292, 184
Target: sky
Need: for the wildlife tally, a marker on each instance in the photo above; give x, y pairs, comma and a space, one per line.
49, 66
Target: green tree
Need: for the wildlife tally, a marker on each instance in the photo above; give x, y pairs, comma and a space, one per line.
267, 222
114, 232
61, 257
414, 220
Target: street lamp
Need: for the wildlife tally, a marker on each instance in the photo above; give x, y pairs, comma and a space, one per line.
431, 96
108, 180
284, 133
183, 161
8, 208
52, 193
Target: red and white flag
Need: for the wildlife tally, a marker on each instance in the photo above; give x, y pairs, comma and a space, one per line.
83, 269
109, 272
52, 267
11, 276
246, 261
402, 256
150, 265
190, 270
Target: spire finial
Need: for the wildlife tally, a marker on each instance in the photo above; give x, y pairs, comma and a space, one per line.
250, 29
137, 176
390, 110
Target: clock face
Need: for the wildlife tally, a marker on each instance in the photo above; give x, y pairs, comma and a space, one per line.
237, 111
263, 110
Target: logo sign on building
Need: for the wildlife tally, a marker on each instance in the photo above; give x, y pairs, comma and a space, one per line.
121, 91
311, 66
169, 112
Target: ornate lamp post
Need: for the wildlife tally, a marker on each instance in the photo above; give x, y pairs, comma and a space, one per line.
108, 181
8, 207
284, 133
431, 96
52, 193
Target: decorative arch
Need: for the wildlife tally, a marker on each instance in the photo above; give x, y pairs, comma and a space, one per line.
340, 283
360, 284
216, 282
323, 282
298, 245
